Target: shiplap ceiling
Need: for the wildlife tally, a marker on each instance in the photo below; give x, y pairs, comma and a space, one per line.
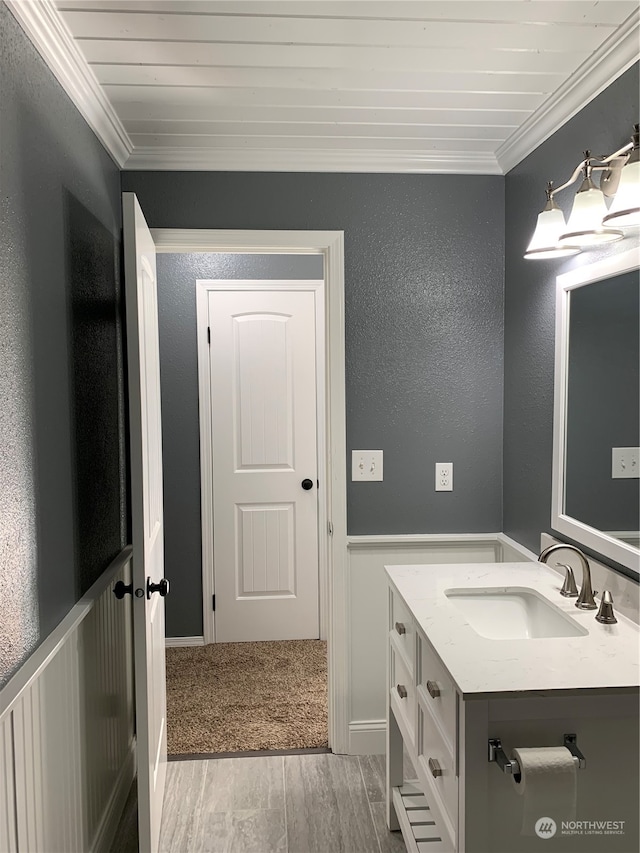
405, 85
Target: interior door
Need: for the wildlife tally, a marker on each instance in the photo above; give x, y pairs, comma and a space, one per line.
265, 494
147, 521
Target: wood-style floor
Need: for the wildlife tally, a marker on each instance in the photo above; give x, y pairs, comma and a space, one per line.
275, 804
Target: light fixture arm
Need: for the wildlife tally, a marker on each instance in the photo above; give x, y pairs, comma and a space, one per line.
601, 164
592, 222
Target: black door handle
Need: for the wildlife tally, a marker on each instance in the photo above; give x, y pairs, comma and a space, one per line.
162, 587
121, 589
307, 484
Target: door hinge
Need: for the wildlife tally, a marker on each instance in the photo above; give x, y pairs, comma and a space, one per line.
208, 334
330, 528
213, 602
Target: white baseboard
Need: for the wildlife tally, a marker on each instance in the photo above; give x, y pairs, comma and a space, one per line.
108, 826
367, 737
178, 642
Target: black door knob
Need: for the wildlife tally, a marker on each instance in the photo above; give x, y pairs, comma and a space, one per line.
121, 589
162, 587
307, 484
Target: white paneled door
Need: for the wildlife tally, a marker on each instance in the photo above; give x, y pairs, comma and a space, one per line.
265, 464
149, 586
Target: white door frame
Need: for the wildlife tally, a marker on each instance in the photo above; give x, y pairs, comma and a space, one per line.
207, 474
329, 244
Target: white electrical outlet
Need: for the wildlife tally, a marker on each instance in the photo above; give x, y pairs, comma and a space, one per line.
444, 476
366, 465
625, 463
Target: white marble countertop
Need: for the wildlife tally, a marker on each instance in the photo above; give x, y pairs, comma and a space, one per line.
607, 657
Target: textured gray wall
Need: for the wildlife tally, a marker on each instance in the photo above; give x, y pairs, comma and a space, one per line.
603, 401
424, 302
177, 275
61, 464
424, 319
602, 126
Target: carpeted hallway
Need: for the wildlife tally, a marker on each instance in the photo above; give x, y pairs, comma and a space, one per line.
232, 697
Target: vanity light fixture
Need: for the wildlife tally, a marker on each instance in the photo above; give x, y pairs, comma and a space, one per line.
590, 223
584, 228
551, 224
625, 209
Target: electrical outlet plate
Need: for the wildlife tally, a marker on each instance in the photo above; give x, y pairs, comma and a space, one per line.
444, 476
625, 463
366, 465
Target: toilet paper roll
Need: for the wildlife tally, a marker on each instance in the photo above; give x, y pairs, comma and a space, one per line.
547, 784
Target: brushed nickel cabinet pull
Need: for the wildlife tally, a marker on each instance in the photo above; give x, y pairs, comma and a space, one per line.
400, 628
402, 691
434, 766
434, 690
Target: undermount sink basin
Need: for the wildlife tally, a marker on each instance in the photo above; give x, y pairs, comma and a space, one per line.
513, 613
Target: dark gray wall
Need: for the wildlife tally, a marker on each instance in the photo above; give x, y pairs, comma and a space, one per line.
603, 401
62, 507
602, 126
177, 275
424, 303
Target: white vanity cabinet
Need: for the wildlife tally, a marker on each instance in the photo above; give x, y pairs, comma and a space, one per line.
462, 802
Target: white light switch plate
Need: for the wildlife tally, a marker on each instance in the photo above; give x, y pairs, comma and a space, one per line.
444, 476
625, 463
366, 465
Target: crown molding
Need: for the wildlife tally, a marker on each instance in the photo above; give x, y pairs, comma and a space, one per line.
606, 64
312, 160
45, 27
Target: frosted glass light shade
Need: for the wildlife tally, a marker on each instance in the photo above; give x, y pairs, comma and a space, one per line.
625, 209
544, 243
584, 228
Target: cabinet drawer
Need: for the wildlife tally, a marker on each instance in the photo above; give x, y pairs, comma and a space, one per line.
402, 628
437, 764
402, 687
437, 691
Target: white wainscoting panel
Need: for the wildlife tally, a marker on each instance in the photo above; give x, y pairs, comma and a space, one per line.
368, 555
8, 840
66, 729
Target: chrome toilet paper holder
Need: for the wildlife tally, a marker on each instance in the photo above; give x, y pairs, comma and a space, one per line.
511, 766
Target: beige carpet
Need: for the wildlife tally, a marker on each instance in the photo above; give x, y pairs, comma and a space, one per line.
231, 697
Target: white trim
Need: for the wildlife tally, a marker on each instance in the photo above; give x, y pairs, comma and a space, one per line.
420, 539
606, 64
600, 542
46, 28
313, 160
203, 288
367, 737
331, 245
183, 642
426, 540
206, 465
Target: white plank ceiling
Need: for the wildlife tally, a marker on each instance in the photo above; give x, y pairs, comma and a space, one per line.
376, 85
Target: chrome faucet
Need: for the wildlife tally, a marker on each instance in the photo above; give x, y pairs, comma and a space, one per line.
586, 600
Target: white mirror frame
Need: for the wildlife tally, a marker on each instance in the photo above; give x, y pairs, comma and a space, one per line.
615, 549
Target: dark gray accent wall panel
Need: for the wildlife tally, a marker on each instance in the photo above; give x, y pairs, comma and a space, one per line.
603, 402
424, 315
62, 508
177, 276
602, 126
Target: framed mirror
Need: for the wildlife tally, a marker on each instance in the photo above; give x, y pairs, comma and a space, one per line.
596, 434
